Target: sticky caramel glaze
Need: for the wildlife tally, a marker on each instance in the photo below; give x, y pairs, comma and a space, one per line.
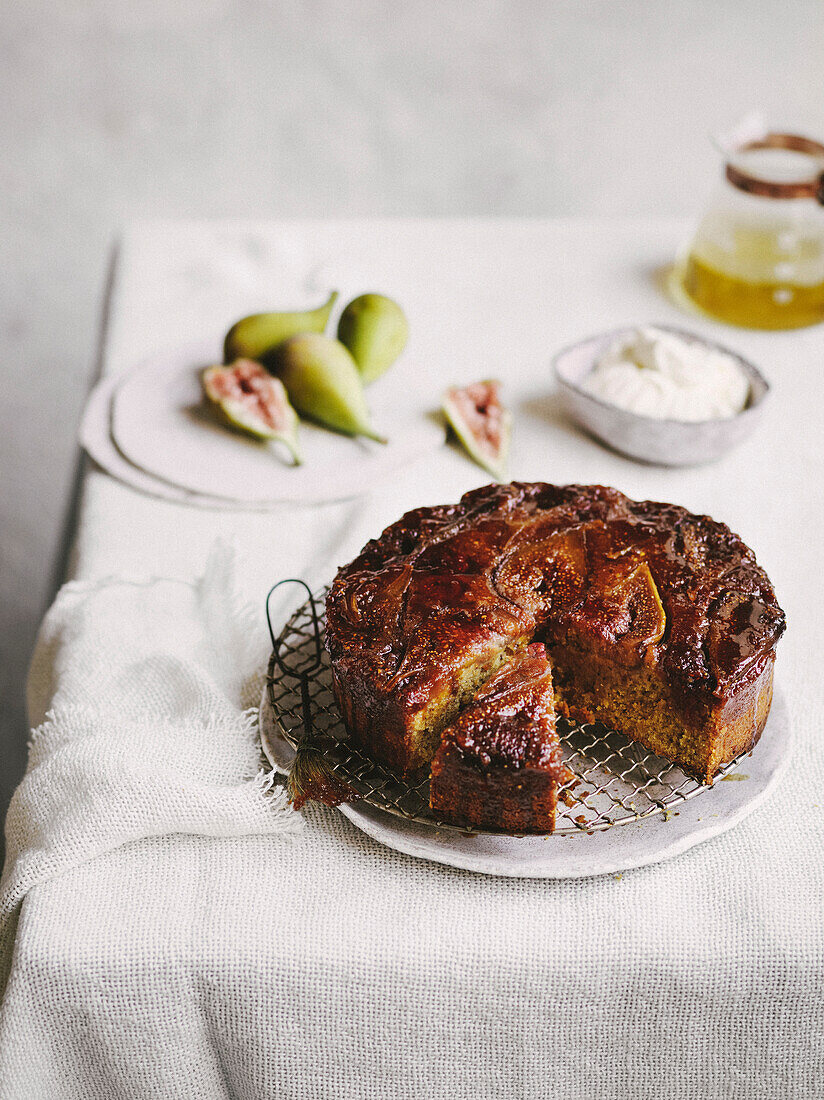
432, 607
499, 764
511, 722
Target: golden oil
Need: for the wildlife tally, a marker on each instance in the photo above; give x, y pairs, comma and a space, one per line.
758, 275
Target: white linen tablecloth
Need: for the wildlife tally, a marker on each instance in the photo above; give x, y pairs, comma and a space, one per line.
313, 962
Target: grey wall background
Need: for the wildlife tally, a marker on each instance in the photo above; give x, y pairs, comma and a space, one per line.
118, 109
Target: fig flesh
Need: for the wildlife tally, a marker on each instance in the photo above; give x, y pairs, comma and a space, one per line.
648, 619
251, 399
624, 610
258, 336
375, 330
481, 423
323, 383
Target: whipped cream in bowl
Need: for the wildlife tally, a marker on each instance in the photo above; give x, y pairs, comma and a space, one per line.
660, 394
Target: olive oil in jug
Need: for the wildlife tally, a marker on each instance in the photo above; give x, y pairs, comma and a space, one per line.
757, 259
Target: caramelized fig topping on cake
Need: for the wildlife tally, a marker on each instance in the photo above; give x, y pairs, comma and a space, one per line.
655, 619
647, 618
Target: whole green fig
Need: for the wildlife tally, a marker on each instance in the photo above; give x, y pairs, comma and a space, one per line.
323, 383
258, 336
375, 330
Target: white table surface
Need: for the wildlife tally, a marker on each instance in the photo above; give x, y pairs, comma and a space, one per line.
704, 974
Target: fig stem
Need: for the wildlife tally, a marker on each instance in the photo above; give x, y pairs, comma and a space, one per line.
370, 433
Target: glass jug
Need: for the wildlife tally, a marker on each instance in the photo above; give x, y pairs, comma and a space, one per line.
757, 258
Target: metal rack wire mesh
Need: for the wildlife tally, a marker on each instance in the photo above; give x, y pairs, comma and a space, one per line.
617, 781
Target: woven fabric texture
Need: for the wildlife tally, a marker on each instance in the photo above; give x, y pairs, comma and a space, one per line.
143, 694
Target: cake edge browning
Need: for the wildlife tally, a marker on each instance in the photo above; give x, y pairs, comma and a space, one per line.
402, 739
704, 741
499, 764
468, 798
722, 695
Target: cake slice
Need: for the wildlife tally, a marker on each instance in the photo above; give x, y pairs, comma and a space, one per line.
499, 764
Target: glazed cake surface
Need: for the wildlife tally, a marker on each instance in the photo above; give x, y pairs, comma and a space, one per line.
499, 764
657, 621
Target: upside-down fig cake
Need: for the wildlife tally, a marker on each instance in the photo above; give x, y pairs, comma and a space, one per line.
657, 622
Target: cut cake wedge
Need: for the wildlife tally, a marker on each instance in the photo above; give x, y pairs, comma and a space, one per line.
498, 765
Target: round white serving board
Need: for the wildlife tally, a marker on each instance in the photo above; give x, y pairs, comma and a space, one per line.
96, 440
161, 425
620, 848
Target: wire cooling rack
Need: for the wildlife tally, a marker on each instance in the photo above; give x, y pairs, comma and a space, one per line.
616, 781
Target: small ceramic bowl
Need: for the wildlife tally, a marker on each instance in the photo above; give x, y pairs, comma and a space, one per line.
664, 442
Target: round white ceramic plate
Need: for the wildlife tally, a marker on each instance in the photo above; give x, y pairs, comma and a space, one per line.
161, 425
612, 850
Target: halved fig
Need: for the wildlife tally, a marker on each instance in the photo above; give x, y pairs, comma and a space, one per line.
251, 399
639, 593
537, 573
623, 609
481, 423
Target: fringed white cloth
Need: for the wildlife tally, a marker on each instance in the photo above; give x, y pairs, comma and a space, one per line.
151, 729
